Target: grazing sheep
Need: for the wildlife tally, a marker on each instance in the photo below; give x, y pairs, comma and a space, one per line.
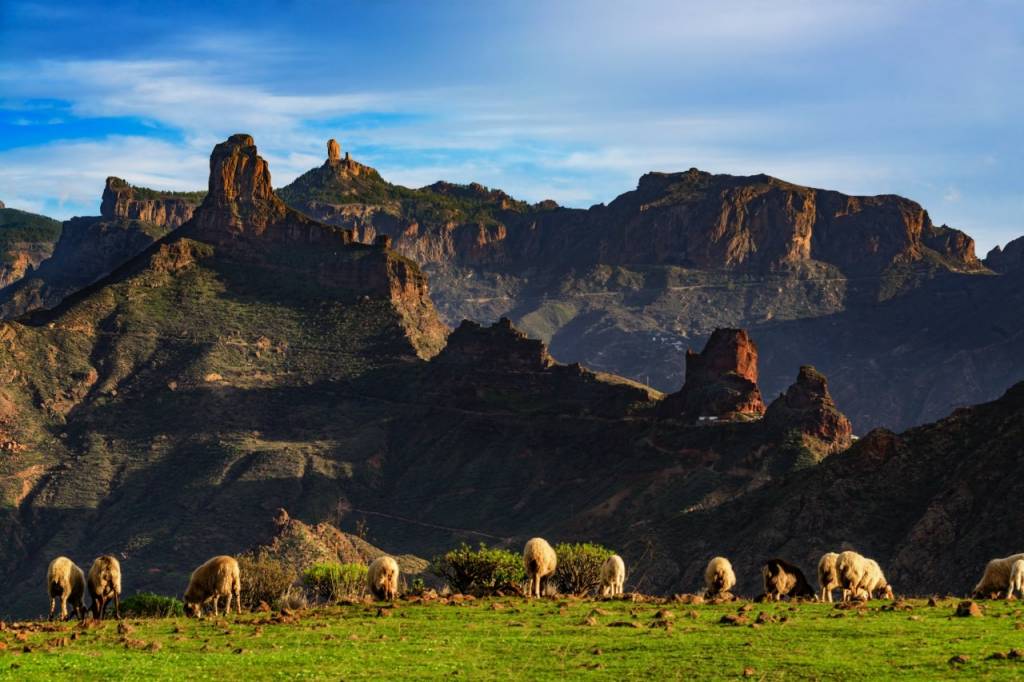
218, 577
719, 577
782, 578
613, 575
996, 577
828, 579
382, 578
540, 561
860, 576
1016, 579
105, 584
65, 581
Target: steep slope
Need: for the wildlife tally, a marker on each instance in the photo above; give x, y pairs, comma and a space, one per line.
164, 403
627, 288
255, 359
131, 219
930, 504
26, 239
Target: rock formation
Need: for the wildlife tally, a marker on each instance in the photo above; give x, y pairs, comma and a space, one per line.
497, 347
721, 381
333, 150
121, 201
807, 408
92, 247
1005, 259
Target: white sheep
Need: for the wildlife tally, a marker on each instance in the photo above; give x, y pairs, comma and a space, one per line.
382, 578
719, 577
218, 577
540, 561
613, 575
996, 577
860, 576
65, 581
828, 580
104, 584
1016, 579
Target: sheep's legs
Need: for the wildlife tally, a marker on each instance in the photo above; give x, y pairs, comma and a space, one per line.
53, 607
63, 607
117, 605
215, 611
227, 609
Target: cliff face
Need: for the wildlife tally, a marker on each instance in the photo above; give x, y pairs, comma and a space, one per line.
26, 239
91, 248
721, 381
121, 201
691, 219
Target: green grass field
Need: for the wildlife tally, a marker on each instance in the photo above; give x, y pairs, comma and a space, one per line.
546, 639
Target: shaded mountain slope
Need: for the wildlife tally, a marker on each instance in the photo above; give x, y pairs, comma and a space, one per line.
26, 239
930, 504
131, 219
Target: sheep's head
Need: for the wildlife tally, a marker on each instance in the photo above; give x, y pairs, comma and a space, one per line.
193, 609
887, 592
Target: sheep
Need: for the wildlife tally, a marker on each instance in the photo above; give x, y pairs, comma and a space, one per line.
218, 577
1016, 579
382, 578
828, 580
859, 576
996, 577
782, 578
540, 562
65, 581
105, 584
719, 577
613, 575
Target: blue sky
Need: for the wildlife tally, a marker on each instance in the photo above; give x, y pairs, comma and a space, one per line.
557, 99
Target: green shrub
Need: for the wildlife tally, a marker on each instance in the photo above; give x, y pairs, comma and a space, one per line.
263, 578
485, 569
149, 605
579, 566
332, 581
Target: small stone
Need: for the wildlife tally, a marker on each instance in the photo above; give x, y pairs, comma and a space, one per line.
624, 624
749, 672
997, 656
959, 659
969, 609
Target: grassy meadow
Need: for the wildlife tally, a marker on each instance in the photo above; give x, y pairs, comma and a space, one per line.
544, 639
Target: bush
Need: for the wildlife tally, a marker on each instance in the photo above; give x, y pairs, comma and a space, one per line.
332, 581
263, 579
579, 567
485, 569
149, 605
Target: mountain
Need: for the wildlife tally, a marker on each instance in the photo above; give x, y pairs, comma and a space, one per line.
255, 359
131, 219
26, 239
629, 287
929, 504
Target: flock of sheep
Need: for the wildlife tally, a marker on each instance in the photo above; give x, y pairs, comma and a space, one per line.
858, 577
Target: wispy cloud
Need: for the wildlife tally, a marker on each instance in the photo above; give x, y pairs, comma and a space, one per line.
569, 100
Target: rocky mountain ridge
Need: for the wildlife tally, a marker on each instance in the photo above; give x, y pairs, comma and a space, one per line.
246, 362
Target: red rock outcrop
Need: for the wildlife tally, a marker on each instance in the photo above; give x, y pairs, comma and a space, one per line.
242, 216
121, 201
807, 407
721, 381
